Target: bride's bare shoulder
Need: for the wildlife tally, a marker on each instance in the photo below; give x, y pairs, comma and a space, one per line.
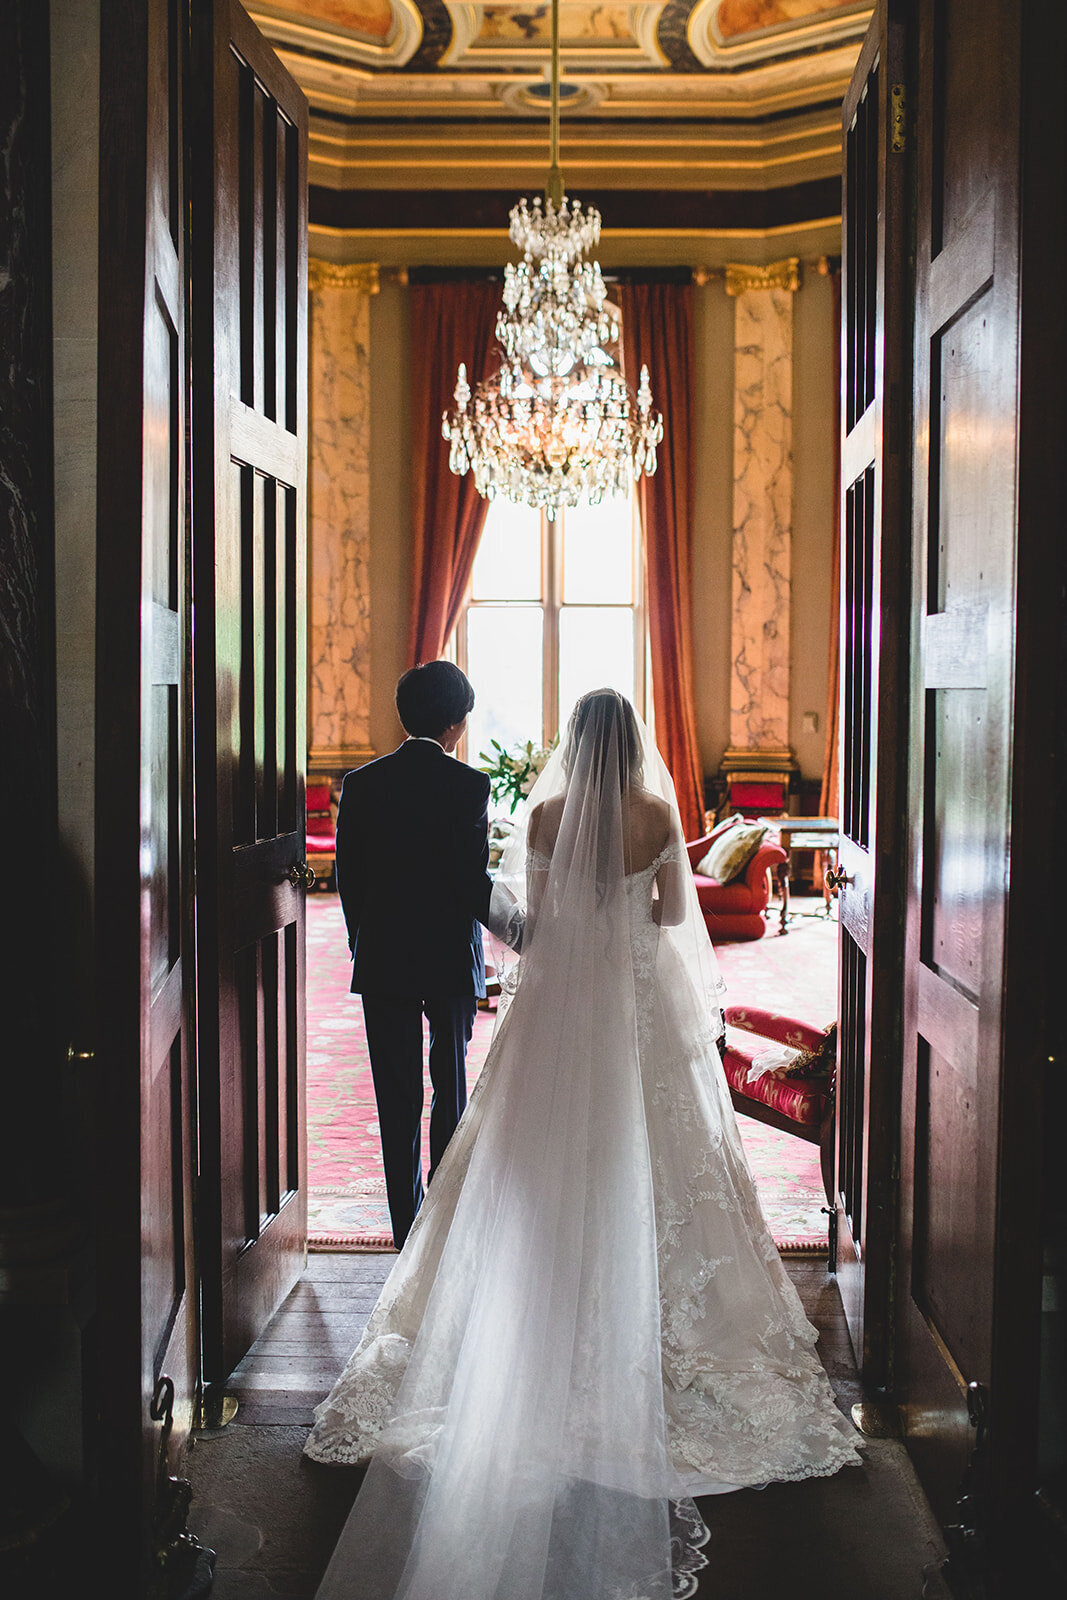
544, 823
651, 807
650, 826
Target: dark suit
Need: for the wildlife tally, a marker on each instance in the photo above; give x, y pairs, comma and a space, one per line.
412, 853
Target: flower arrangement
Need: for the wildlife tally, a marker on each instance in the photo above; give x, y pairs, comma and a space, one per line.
512, 773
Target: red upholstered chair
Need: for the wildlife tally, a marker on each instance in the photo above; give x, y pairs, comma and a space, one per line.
803, 1106
757, 799
321, 838
735, 910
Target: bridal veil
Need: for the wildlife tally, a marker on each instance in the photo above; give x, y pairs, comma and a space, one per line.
525, 1455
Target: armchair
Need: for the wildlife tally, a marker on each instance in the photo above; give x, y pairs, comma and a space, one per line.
803, 1106
321, 835
735, 910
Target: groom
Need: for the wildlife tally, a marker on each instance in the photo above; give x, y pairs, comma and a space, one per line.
412, 853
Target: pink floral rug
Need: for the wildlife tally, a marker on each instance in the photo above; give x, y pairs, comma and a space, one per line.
795, 974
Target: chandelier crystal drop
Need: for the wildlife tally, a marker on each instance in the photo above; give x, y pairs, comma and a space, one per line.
557, 424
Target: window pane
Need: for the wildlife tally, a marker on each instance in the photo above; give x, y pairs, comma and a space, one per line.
504, 665
508, 563
596, 651
598, 553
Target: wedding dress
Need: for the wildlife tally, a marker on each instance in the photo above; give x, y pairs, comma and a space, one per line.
589, 1323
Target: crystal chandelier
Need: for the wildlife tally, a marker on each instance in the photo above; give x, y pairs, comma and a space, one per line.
557, 423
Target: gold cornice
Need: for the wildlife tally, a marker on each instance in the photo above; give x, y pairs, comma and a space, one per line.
325, 231
378, 103
361, 275
399, 136
778, 275
575, 156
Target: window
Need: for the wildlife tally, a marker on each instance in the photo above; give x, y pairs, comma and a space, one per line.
555, 608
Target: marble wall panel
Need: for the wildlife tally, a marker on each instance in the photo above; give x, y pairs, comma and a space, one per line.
339, 512
763, 484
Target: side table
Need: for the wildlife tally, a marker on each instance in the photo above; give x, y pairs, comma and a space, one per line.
803, 833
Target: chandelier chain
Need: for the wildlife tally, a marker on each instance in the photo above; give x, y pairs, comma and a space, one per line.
557, 424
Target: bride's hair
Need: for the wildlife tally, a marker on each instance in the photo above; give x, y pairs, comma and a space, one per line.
605, 715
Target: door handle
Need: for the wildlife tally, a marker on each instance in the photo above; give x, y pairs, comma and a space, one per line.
301, 873
836, 878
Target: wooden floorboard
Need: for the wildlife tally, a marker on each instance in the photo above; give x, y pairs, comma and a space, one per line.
273, 1517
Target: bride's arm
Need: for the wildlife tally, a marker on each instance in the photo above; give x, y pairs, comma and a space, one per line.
536, 869
668, 909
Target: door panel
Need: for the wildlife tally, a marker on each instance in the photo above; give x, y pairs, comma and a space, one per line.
965, 442
147, 1322
874, 566
250, 362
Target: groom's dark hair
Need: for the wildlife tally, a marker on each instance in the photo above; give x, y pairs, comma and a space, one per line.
433, 697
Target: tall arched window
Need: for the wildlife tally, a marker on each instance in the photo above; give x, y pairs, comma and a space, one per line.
554, 608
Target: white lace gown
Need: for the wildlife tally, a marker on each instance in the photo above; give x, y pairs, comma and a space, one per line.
745, 1399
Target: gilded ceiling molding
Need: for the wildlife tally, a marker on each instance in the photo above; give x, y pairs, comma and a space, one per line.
290, 28
466, 25
362, 275
672, 41
436, 33
646, 32
819, 28
628, 39
526, 99
778, 275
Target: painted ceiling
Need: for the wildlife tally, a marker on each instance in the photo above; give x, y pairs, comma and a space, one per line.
667, 95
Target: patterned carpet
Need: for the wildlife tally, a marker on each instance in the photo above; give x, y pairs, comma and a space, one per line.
796, 974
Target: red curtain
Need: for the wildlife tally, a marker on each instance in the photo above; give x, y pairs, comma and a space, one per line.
450, 323
658, 333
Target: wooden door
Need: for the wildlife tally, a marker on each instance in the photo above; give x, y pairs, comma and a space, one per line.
146, 1323
249, 454
874, 601
964, 517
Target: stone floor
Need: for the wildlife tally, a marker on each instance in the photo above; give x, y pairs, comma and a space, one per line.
272, 1517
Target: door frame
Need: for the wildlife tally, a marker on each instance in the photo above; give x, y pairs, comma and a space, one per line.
244, 1273
871, 897
147, 1322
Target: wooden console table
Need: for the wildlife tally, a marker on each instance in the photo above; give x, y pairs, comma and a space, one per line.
803, 833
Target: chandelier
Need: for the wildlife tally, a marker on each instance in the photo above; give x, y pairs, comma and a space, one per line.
557, 423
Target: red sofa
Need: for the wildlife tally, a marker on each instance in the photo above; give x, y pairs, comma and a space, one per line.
735, 910
800, 1106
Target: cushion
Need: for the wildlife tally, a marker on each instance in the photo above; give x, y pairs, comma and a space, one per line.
820, 1063
802, 1101
773, 1025
731, 853
757, 794
319, 816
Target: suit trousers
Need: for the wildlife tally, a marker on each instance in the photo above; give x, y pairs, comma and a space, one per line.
394, 1039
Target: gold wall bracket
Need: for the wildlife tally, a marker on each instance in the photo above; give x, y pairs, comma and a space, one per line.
361, 275
740, 278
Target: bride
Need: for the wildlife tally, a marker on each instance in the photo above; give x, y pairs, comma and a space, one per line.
589, 1323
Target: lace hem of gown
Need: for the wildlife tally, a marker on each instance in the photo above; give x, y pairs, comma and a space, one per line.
746, 1400
741, 1429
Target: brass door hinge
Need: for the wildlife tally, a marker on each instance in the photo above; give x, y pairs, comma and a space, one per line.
214, 1411
898, 118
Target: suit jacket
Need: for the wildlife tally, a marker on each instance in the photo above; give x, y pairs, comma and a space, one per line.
412, 852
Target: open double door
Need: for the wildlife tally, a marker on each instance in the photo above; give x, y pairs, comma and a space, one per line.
951, 416
200, 745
